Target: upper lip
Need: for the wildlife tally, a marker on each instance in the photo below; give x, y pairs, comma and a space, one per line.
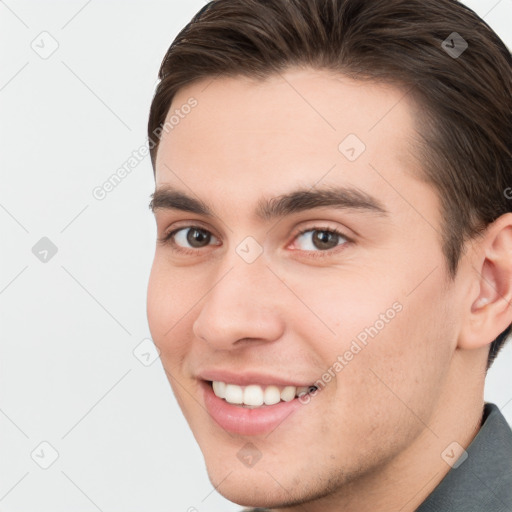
249, 377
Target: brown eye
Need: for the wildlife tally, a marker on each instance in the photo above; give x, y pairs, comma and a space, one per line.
191, 237
198, 237
325, 239
319, 239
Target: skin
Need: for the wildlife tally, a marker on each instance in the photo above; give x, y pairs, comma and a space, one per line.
372, 439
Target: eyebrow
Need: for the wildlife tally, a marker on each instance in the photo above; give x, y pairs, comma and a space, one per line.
348, 198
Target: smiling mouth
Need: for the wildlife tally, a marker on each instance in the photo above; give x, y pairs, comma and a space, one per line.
254, 395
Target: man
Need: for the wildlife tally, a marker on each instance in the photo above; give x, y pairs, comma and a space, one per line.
333, 271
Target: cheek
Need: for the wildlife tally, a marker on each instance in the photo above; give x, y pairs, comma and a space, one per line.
339, 308
169, 298
389, 352
156, 305
399, 375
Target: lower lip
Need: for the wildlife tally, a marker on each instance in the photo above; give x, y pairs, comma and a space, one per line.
247, 422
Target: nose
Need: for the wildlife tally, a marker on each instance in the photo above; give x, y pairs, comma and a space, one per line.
241, 307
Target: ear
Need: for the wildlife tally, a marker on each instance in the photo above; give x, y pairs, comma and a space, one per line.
490, 305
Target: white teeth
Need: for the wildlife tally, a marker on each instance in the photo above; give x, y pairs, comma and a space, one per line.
219, 388
288, 393
234, 394
255, 395
272, 395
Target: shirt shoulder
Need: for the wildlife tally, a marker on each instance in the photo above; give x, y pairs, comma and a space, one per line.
483, 481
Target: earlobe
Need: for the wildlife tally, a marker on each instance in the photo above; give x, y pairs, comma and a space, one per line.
490, 311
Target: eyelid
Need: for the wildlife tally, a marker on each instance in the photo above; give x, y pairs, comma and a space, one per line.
190, 223
319, 227
168, 235
326, 252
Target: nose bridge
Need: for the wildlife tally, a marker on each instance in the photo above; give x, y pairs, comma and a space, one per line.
240, 304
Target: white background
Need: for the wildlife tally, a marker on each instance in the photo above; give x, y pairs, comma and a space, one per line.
68, 375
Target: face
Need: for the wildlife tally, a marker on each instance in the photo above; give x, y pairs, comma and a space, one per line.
296, 248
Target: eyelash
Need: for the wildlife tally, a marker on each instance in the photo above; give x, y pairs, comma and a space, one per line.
327, 252
167, 239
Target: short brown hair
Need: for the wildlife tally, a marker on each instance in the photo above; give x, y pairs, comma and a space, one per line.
464, 100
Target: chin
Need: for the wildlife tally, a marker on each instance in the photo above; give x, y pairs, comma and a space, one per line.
248, 488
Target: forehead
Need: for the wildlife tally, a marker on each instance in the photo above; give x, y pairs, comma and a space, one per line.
303, 127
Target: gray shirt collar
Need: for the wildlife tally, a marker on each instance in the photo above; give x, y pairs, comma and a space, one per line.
483, 482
